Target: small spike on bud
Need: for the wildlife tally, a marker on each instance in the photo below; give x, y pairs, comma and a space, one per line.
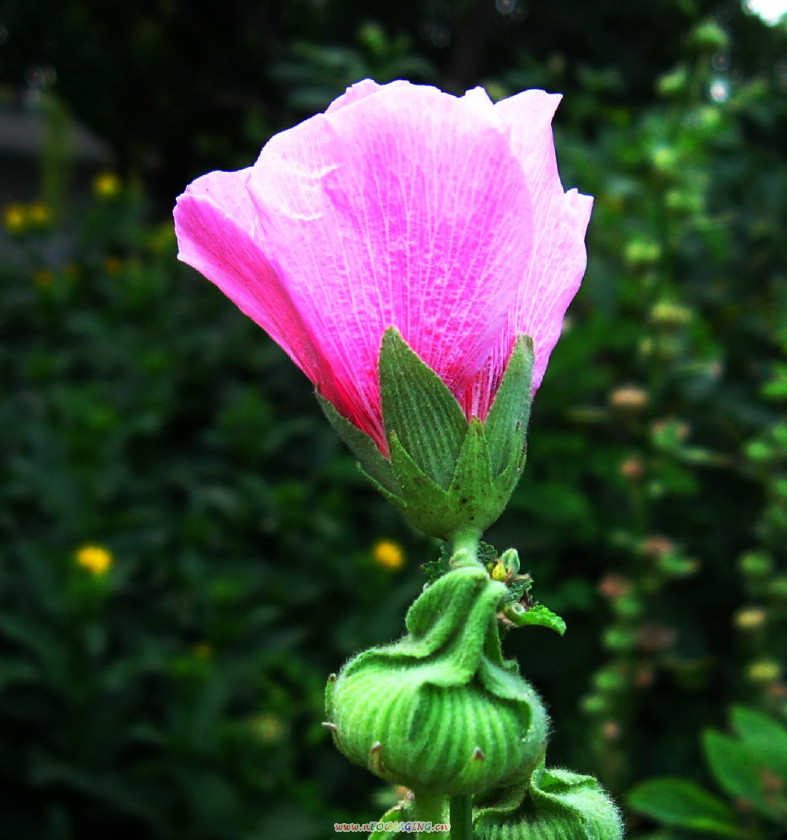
478, 755
376, 758
332, 726
331, 678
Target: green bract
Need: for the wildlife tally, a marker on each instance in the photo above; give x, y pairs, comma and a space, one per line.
447, 474
556, 805
440, 711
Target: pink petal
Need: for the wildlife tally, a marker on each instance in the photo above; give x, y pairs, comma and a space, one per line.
558, 259
400, 206
402, 209
216, 226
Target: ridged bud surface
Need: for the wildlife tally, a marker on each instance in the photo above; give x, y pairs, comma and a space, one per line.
440, 710
557, 805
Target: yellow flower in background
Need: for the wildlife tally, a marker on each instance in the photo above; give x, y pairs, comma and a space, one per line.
15, 218
750, 618
388, 554
268, 728
764, 671
628, 398
94, 558
106, 185
39, 214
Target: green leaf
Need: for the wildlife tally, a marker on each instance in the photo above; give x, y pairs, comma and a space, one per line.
506, 423
362, 446
538, 615
734, 767
434, 569
765, 738
682, 803
46, 769
420, 409
15, 671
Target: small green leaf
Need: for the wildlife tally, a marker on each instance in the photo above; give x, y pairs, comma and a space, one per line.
536, 615
765, 738
420, 409
434, 569
506, 423
734, 767
684, 804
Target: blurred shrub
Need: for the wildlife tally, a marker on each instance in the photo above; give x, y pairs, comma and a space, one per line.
751, 769
180, 528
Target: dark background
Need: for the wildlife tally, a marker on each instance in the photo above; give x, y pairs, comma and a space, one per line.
179, 693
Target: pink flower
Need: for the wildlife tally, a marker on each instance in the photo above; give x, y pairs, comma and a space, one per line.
399, 206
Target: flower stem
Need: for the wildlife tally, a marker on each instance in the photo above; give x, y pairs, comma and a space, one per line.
461, 818
428, 808
465, 546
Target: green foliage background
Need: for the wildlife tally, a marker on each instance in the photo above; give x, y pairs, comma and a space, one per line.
180, 693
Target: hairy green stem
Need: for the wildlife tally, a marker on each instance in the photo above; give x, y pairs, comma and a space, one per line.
428, 808
466, 542
461, 818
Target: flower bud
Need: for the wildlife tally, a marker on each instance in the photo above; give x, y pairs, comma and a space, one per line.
764, 671
756, 564
628, 398
709, 36
557, 805
440, 711
750, 618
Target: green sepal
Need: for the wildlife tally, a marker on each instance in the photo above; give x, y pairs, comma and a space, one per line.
538, 615
373, 464
506, 423
420, 409
475, 498
556, 805
424, 503
506, 482
472, 494
471, 502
